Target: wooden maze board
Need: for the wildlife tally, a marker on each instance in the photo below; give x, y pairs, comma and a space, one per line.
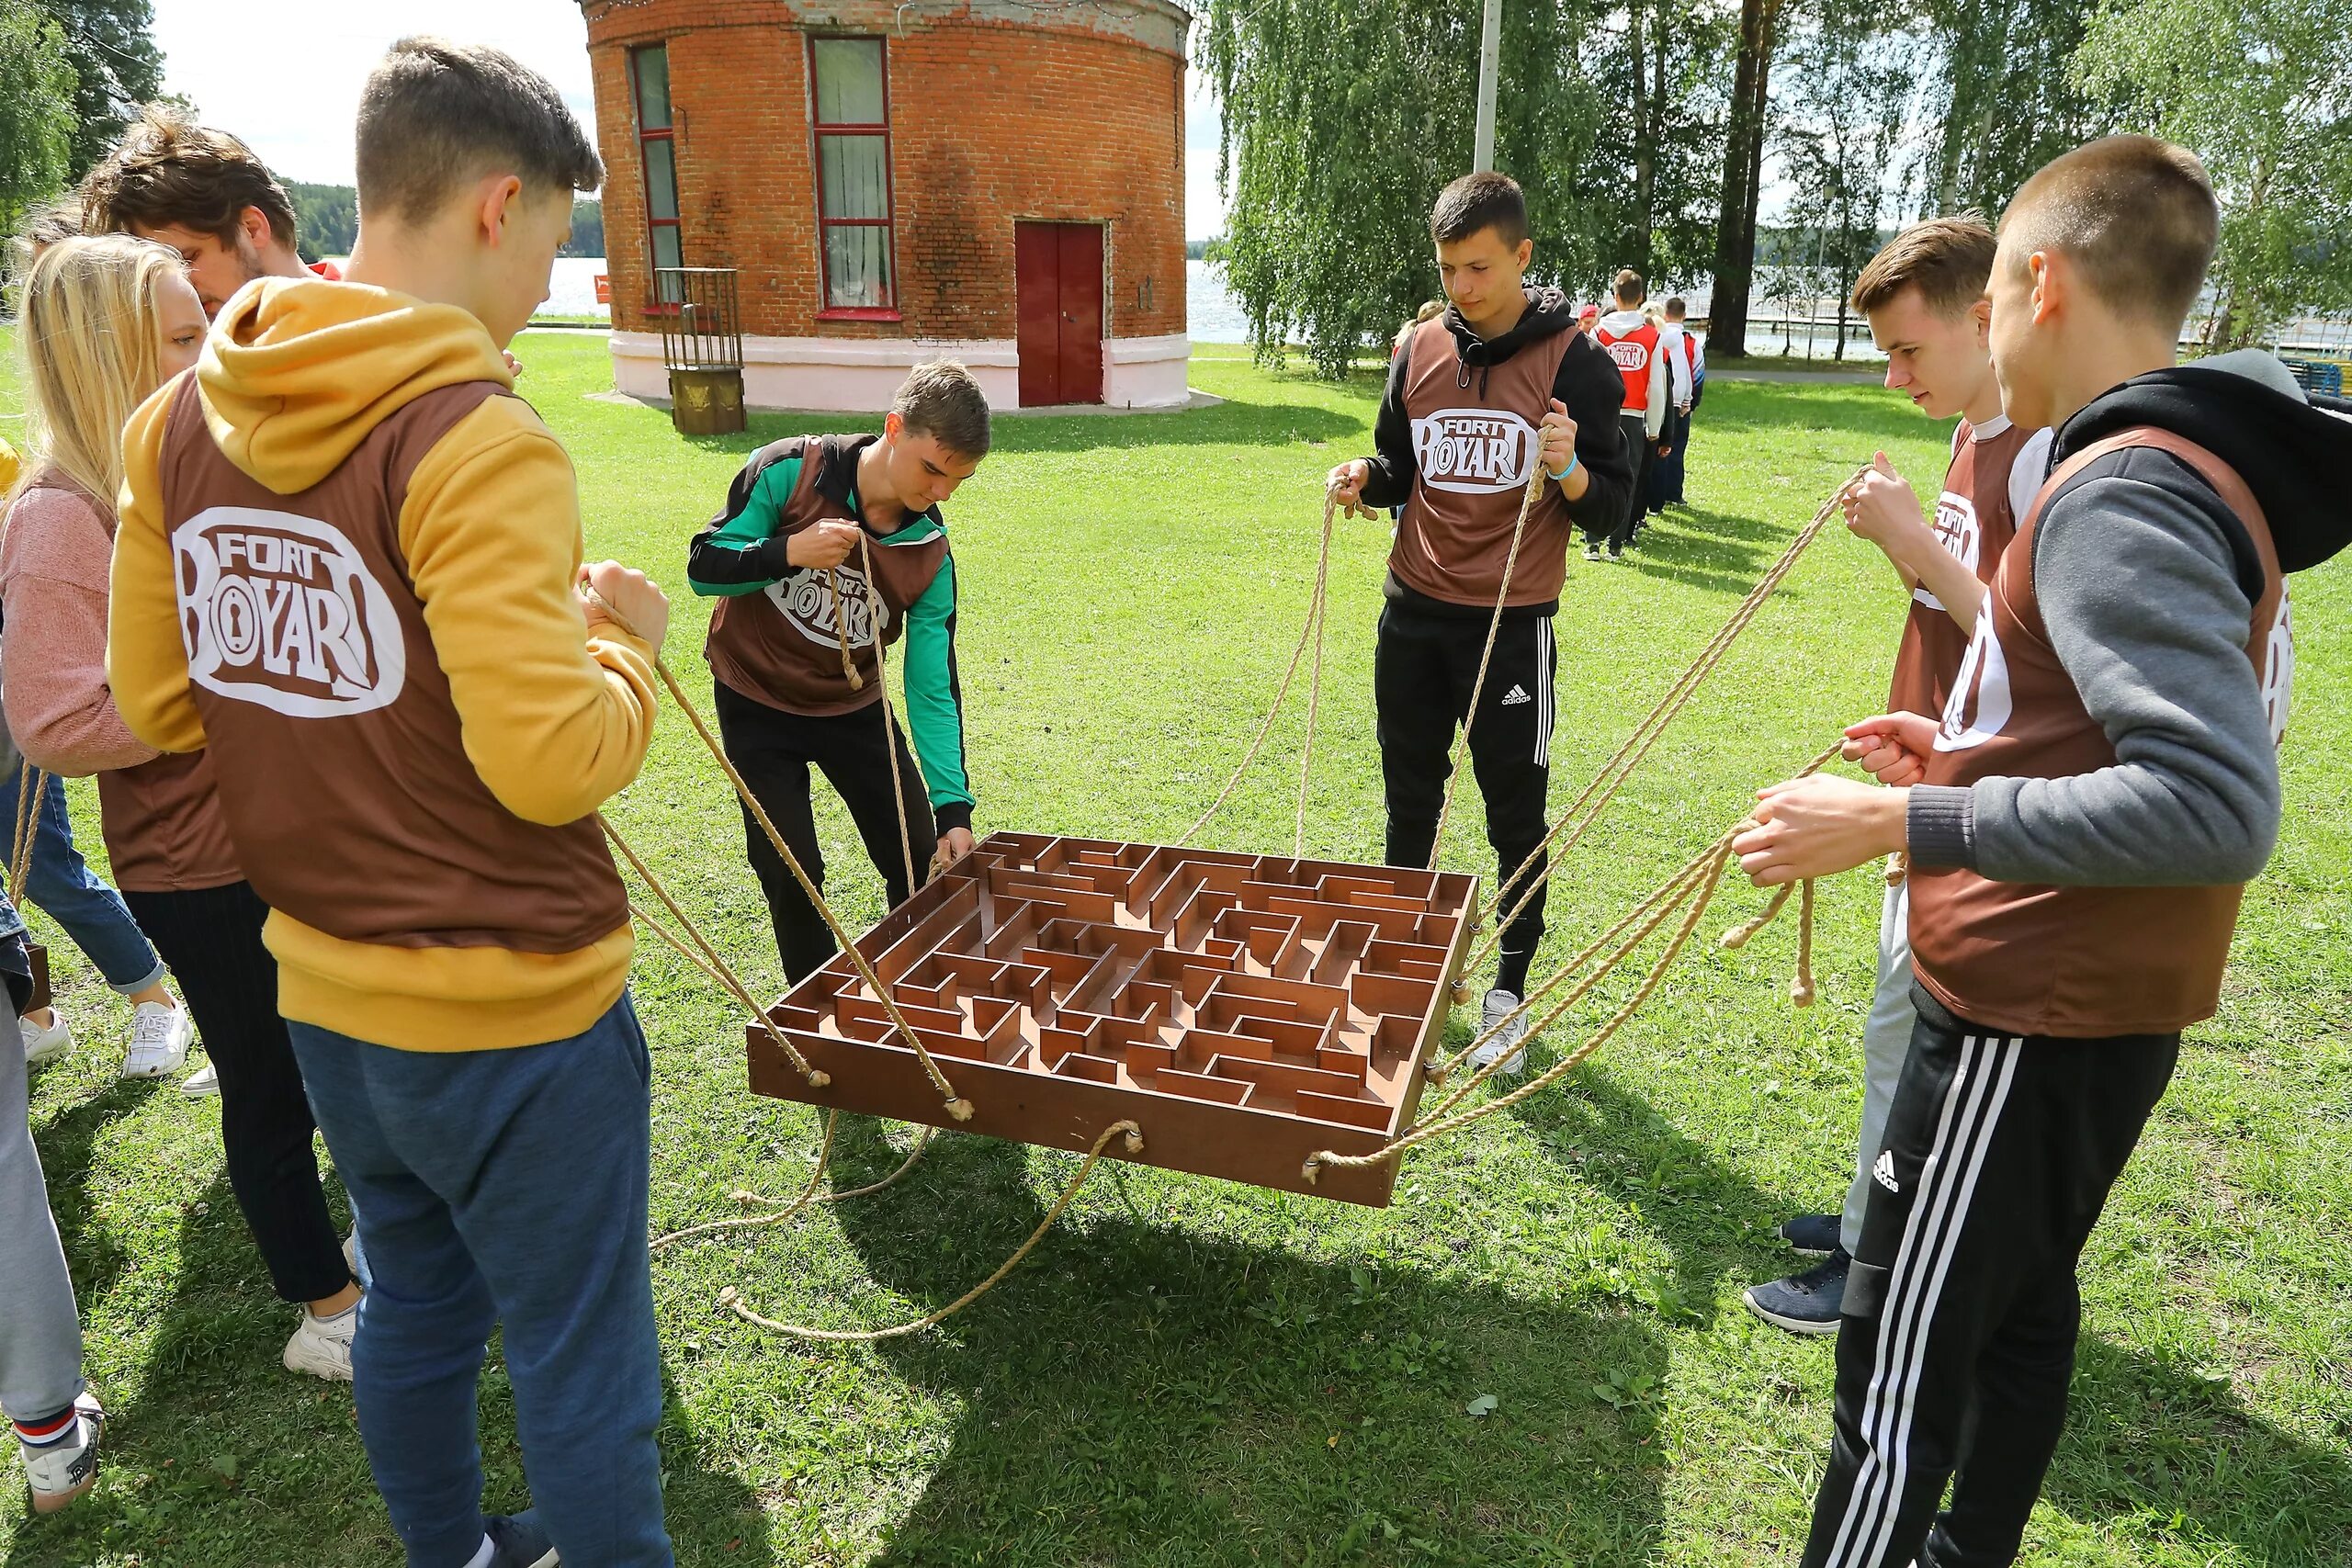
1244, 1010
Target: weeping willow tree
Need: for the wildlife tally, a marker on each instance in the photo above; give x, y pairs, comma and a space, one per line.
1343, 120
2001, 98
2263, 93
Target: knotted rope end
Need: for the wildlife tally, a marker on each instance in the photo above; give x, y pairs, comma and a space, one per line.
1134, 1137
730, 1298
1737, 938
1312, 1166
960, 1109
1461, 993
819, 1078
1801, 991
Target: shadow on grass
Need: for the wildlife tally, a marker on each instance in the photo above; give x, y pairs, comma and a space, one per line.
1137, 1394
1715, 552
67, 1143
2144, 1439
215, 1454
2179, 1451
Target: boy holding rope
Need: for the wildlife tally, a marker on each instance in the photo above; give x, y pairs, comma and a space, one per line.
1924, 297
2103, 781
1476, 399
828, 548
372, 547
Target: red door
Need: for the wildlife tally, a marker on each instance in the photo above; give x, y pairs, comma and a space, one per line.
1058, 274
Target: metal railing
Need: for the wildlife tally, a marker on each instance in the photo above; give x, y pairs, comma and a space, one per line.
702, 324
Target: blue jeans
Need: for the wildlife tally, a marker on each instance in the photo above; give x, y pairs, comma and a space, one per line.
503, 1188
62, 887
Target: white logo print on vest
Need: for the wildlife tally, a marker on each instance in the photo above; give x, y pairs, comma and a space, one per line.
1958, 532
1630, 353
1474, 451
806, 598
1983, 685
2278, 670
281, 611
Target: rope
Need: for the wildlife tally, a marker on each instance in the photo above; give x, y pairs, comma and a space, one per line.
957, 1106
841, 625
1586, 807
1800, 988
30, 782
1535, 478
1318, 611
717, 967
1314, 611
874, 610
1693, 888
644, 917
732, 1300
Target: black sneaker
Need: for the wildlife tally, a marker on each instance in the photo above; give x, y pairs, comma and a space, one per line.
516, 1541
1616, 554
1592, 549
1806, 1303
1816, 1236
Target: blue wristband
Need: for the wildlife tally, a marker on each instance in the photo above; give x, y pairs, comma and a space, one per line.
1564, 473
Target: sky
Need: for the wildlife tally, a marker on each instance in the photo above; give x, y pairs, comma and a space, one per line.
286, 74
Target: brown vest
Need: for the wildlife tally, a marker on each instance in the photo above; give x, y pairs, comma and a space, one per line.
1974, 524
327, 717
2074, 961
1474, 443
782, 645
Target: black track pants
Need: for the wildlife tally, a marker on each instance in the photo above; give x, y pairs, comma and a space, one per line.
1961, 1310
773, 751
1422, 671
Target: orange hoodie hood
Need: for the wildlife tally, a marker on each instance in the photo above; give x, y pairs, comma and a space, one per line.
298, 370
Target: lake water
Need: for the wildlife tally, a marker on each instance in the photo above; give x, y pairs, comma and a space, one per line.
1212, 315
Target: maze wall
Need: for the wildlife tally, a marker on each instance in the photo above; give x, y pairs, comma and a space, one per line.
1244, 1010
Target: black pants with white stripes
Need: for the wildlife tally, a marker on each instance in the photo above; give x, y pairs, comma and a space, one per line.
1961, 1309
1424, 667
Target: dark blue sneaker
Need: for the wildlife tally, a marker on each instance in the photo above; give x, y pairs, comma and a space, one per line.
1806, 1303
1816, 1236
516, 1541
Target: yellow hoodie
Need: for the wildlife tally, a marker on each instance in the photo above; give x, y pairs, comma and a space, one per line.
295, 375
10, 466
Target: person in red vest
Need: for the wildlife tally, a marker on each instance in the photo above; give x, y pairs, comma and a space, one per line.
1687, 370
2081, 822
1631, 339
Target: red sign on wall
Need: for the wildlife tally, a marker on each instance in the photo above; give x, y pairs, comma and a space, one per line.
604, 288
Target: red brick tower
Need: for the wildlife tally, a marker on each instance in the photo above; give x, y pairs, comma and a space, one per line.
999, 180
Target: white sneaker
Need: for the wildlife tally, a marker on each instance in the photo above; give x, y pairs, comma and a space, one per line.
46, 1044
322, 1347
205, 1080
1500, 1005
158, 1041
62, 1471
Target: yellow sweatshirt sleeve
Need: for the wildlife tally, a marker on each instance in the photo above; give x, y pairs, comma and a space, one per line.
555, 721
146, 659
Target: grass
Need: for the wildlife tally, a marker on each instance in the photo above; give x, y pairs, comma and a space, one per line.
1192, 1373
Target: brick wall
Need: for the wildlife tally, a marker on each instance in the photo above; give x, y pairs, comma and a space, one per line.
993, 119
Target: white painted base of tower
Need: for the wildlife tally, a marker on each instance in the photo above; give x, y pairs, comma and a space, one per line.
860, 375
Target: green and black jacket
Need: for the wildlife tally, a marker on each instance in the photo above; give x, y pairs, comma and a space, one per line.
776, 634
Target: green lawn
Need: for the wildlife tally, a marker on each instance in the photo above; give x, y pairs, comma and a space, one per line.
1192, 1373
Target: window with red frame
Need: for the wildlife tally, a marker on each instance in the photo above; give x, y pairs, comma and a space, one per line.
649, 70
850, 111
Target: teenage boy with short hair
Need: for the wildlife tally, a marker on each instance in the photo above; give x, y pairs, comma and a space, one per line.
1501, 381
203, 193
411, 719
820, 533
1924, 298
2081, 823
1631, 339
